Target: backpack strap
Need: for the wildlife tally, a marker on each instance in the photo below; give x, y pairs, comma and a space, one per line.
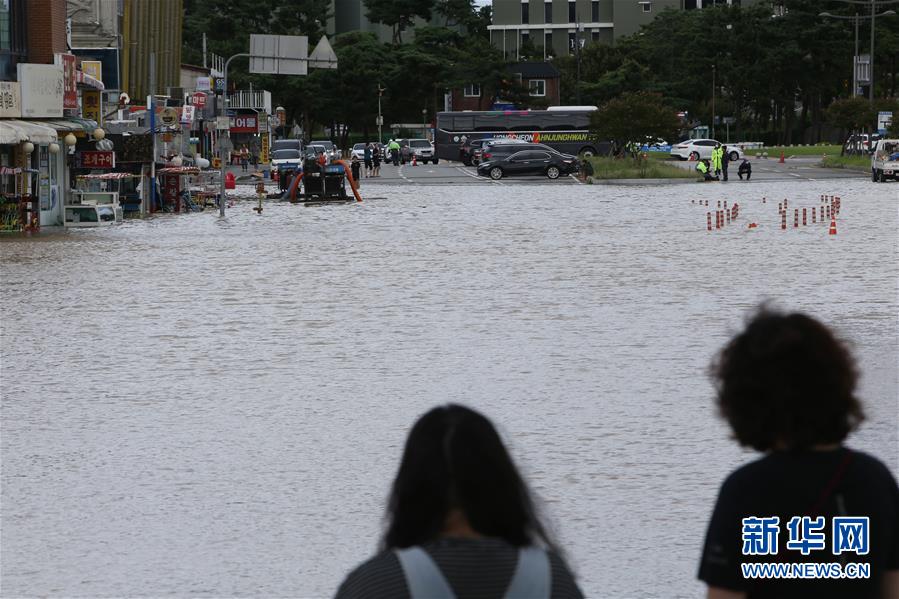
423, 577
532, 578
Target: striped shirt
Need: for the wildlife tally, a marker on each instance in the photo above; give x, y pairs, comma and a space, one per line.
474, 568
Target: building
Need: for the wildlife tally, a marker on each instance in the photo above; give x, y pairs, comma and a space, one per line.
552, 25
150, 27
541, 79
350, 15
43, 99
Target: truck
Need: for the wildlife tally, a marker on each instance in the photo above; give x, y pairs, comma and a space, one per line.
885, 160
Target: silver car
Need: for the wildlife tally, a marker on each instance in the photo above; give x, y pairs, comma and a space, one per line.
423, 150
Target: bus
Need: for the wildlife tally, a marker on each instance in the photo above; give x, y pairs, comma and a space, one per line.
566, 130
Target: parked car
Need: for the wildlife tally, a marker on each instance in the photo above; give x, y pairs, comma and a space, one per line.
695, 149
331, 151
287, 144
467, 151
285, 157
885, 160
423, 150
500, 148
539, 161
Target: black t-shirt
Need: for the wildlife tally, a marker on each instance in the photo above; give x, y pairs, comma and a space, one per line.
474, 569
804, 483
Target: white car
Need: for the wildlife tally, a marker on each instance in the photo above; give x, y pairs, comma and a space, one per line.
332, 152
358, 151
289, 157
696, 149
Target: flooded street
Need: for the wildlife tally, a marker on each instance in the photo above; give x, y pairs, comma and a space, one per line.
202, 407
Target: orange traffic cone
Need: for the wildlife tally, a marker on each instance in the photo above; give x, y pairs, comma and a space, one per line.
781, 157
833, 226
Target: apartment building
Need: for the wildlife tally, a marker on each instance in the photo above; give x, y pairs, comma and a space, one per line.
553, 25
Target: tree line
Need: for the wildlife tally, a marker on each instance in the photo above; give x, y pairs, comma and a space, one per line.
776, 74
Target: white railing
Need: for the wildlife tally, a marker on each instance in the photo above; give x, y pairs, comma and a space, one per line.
255, 99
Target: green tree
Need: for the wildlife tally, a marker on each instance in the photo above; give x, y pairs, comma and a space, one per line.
398, 14
633, 117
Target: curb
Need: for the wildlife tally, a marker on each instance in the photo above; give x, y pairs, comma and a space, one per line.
638, 182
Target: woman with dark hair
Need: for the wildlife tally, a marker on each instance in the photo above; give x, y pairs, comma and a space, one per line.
786, 386
461, 522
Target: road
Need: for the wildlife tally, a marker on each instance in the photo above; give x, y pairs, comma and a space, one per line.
455, 173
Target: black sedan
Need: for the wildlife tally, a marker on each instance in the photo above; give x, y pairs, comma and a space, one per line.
530, 162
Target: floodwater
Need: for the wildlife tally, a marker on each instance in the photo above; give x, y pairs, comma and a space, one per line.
198, 407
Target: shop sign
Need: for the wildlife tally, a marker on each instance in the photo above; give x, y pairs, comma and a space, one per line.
94, 68
94, 159
244, 123
263, 153
204, 84
199, 100
10, 94
90, 105
169, 116
70, 91
42, 89
187, 114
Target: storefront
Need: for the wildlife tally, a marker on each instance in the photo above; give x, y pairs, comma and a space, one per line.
30, 157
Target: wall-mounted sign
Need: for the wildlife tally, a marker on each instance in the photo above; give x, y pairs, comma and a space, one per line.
94, 68
244, 123
204, 84
10, 96
70, 89
42, 89
199, 100
187, 114
93, 159
90, 105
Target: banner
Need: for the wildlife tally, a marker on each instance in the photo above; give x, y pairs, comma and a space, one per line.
10, 99
263, 153
70, 89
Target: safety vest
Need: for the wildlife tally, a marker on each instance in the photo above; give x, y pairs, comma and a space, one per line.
701, 167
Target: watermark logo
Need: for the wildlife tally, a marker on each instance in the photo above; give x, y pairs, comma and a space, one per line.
760, 535
850, 535
806, 535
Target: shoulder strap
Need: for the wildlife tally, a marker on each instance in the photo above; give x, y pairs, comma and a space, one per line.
423, 577
532, 578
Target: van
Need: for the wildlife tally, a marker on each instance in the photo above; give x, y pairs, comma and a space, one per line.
287, 144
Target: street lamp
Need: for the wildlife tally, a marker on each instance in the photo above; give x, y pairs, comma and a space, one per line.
424, 122
874, 4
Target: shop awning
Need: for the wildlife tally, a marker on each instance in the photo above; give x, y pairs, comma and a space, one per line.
89, 80
71, 124
181, 170
13, 131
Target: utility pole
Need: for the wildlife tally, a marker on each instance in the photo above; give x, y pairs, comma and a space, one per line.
152, 108
381, 91
577, 50
712, 135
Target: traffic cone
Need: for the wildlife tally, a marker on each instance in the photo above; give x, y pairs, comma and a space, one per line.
414, 162
781, 157
833, 226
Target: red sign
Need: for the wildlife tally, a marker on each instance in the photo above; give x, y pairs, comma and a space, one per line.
244, 123
199, 100
93, 159
70, 88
